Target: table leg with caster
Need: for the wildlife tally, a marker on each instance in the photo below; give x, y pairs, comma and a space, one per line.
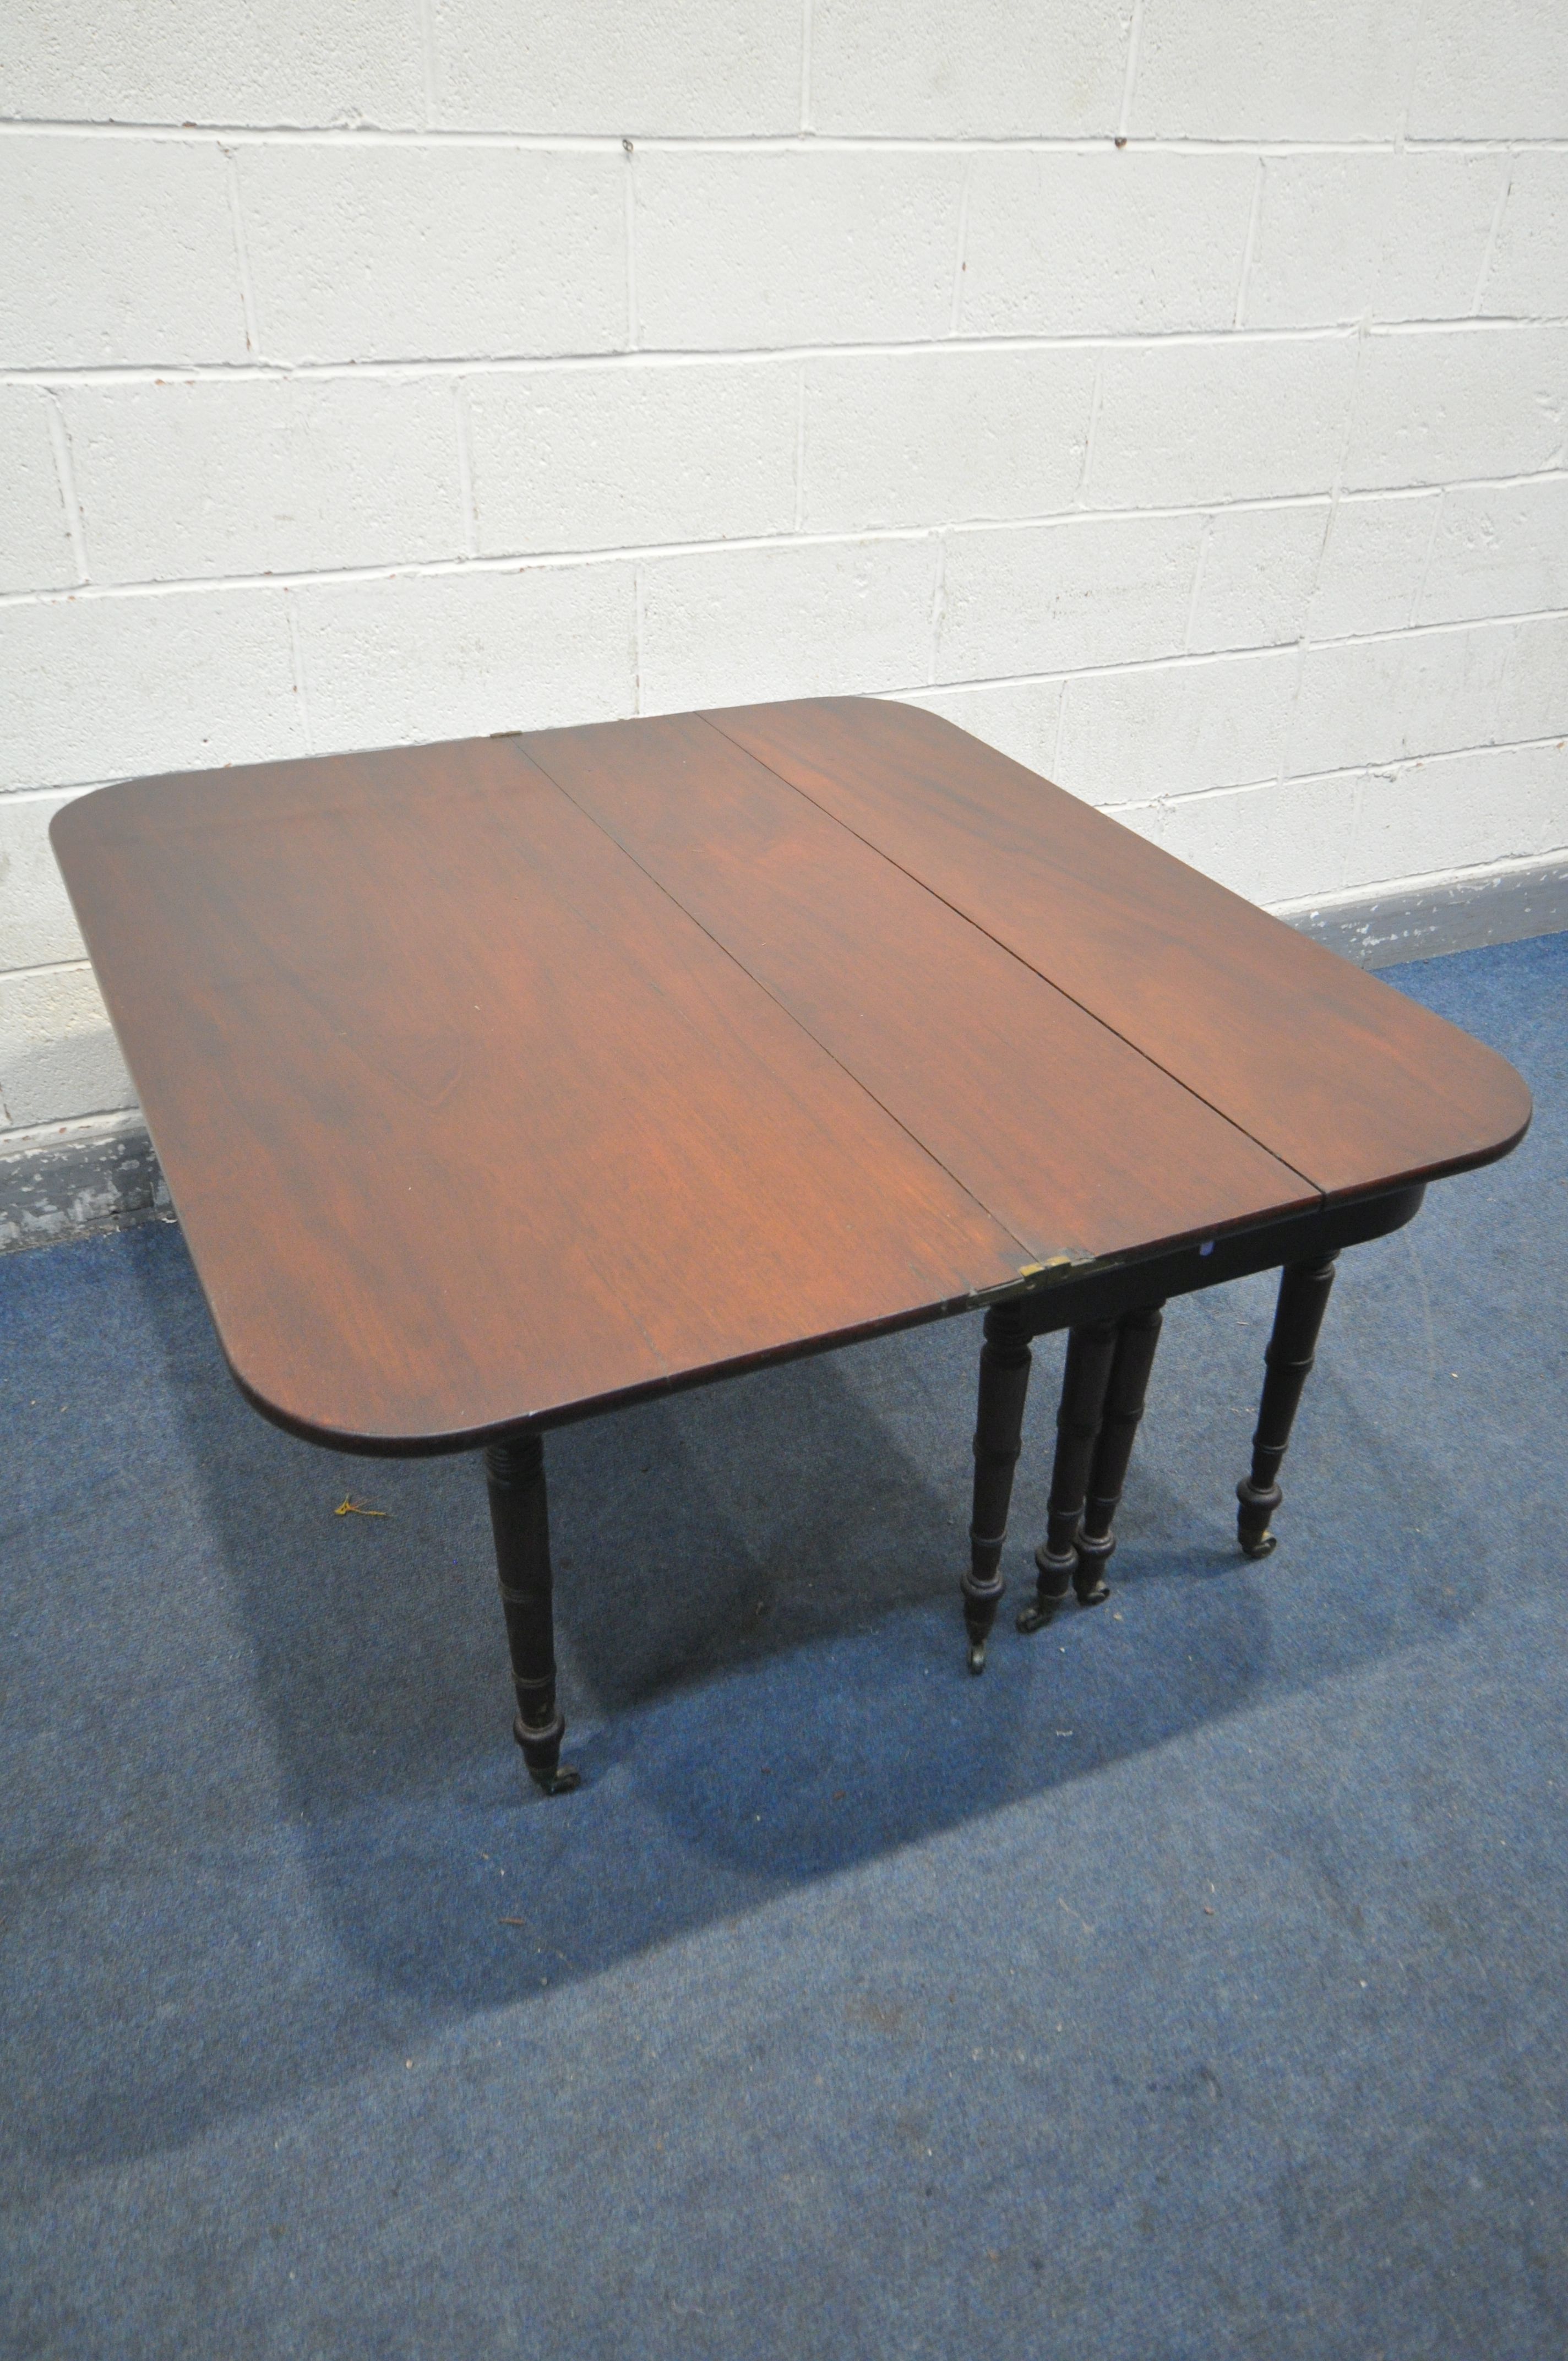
1004, 1364
1091, 1349
1137, 1333
1303, 1299
520, 1516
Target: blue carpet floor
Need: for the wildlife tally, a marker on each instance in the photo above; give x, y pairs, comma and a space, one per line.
1192, 1986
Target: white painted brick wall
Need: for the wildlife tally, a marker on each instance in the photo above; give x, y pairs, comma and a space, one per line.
939, 438
34, 544
447, 252
337, 471
794, 245
1529, 262
1273, 69
598, 456
1100, 243
1190, 424
1436, 407
702, 68
411, 656
1368, 232
391, 371
1255, 576
903, 69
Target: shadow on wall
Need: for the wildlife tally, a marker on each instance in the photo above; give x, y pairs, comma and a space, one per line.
80, 1068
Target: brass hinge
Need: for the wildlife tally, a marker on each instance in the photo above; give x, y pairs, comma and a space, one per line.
1032, 1276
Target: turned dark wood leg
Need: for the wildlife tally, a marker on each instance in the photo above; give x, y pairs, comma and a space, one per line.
1137, 1333
1004, 1364
1091, 1349
1303, 1299
514, 1472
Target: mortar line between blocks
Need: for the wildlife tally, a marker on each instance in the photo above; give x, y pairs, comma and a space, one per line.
65, 475
1218, 338
1288, 736
938, 597
1081, 497
1493, 234
466, 466
960, 259
1204, 538
1250, 245
1417, 30
1135, 38
367, 135
1416, 602
242, 257
427, 59
296, 665
629, 232
1357, 828
805, 67
1507, 865
604, 143
46, 967
191, 133
514, 561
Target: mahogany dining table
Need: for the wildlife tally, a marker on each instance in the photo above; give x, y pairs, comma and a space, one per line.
501, 1082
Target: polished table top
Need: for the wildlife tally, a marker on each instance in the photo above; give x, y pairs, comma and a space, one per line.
501, 1080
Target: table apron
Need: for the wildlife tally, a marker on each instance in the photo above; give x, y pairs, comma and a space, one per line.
1104, 1294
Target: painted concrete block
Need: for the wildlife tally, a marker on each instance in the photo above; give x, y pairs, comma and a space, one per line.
58, 1053
837, 246
1499, 549
1347, 238
939, 437
1439, 405
35, 543
419, 657
707, 68
1113, 243
114, 687
823, 620
229, 62
1534, 699
1263, 841
1048, 598
1500, 73
1462, 811
257, 476
611, 455
1019, 718
1375, 561
1175, 728
1270, 70
990, 71
116, 251
1220, 421
1415, 693
1255, 576
450, 251
38, 925
1529, 273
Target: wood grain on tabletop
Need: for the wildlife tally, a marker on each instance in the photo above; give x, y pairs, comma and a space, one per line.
1346, 1080
465, 1121
1076, 1142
